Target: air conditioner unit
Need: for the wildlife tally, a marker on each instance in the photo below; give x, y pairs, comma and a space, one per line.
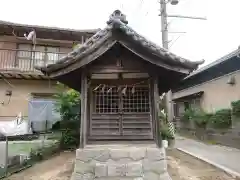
231, 80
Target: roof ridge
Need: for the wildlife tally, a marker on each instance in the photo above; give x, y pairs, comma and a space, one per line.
47, 27
212, 64
118, 21
150, 44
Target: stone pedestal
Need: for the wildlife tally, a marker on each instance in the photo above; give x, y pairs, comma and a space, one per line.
120, 162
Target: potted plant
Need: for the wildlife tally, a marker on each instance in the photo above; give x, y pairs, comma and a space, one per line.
171, 139
163, 133
168, 138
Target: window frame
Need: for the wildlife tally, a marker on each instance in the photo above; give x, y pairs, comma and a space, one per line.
31, 59
176, 109
187, 105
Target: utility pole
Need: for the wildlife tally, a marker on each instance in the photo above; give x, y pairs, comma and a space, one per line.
164, 24
165, 41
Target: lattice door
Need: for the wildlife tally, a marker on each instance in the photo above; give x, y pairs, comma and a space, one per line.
105, 119
118, 114
136, 112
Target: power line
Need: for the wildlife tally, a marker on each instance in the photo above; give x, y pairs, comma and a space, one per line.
138, 7
165, 42
172, 43
164, 16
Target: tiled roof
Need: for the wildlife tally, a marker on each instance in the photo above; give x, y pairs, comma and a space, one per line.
7, 23
117, 22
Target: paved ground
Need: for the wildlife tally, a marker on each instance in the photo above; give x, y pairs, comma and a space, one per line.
225, 157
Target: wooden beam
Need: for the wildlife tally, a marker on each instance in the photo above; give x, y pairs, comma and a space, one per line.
156, 120
104, 70
83, 130
104, 76
24, 76
41, 77
156, 60
94, 52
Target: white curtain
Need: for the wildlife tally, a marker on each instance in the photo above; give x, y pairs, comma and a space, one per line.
42, 114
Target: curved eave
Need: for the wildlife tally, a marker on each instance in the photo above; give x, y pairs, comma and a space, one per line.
169, 60
162, 52
61, 69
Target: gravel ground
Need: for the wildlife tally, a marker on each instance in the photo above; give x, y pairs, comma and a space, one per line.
180, 166
20, 147
59, 167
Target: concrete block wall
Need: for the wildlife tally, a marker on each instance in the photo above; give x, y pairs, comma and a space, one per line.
226, 137
121, 163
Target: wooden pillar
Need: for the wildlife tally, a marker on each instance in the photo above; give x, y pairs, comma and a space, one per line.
156, 120
152, 109
83, 130
169, 105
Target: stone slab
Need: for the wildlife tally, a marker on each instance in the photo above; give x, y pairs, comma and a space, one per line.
127, 162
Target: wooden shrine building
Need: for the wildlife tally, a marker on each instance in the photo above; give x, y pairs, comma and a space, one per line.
120, 75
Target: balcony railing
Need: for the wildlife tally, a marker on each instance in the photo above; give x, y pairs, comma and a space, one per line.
15, 60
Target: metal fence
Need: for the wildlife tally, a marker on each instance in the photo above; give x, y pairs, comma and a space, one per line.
19, 152
25, 60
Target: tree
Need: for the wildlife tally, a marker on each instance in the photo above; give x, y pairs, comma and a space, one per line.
68, 105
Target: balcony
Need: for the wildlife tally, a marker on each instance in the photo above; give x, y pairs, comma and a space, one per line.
16, 61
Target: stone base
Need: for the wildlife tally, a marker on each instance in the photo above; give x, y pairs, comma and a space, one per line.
121, 162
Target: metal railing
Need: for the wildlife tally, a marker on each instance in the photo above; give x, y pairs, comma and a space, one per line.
17, 60
23, 151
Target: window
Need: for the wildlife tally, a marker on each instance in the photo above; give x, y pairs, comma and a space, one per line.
193, 104
186, 105
196, 103
114, 101
24, 57
137, 102
45, 55
64, 51
42, 111
181, 108
41, 55
106, 102
176, 109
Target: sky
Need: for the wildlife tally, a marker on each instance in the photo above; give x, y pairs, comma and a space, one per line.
204, 39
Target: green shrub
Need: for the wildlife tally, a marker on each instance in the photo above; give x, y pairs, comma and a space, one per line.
56, 126
201, 118
68, 102
187, 115
70, 133
236, 108
44, 152
221, 119
165, 132
69, 107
